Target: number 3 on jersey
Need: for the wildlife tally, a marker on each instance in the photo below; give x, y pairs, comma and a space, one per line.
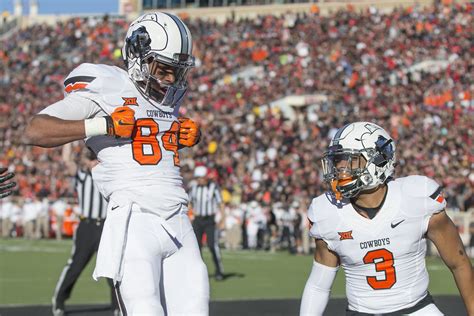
145, 146
383, 260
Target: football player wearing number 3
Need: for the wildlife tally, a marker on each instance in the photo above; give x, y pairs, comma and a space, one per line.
129, 119
376, 228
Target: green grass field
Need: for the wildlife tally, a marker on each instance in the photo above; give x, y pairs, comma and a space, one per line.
29, 271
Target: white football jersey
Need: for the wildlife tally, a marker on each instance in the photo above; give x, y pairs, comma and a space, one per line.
8, 209
383, 258
31, 210
145, 167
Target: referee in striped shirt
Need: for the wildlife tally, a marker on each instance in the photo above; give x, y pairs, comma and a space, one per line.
93, 208
206, 201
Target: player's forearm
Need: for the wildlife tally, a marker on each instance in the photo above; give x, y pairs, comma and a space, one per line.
49, 131
464, 277
314, 301
317, 289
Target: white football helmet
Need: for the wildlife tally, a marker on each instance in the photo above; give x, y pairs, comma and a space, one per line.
343, 167
158, 55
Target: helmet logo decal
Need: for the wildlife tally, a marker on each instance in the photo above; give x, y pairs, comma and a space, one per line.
139, 42
152, 17
338, 135
385, 151
371, 129
148, 17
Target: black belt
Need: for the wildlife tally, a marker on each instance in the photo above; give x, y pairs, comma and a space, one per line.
427, 300
205, 216
97, 221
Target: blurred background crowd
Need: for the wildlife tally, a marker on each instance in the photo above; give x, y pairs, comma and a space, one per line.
410, 71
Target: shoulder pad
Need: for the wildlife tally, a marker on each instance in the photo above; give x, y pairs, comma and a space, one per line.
320, 215
94, 78
419, 186
316, 210
80, 78
424, 192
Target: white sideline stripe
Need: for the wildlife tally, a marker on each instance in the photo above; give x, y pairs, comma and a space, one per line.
26, 279
251, 299
248, 257
49, 305
22, 305
213, 300
31, 249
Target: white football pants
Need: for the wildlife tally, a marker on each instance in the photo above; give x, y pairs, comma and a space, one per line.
162, 275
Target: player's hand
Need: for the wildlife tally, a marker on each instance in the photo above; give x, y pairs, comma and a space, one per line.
6, 188
189, 132
121, 122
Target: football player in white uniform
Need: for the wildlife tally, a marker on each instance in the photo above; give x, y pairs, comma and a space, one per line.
129, 119
376, 228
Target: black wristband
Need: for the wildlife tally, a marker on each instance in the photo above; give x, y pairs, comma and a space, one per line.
110, 126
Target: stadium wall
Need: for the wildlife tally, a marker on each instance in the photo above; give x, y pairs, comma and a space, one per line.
220, 14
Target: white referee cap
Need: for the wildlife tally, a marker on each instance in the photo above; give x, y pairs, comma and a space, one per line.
200, 171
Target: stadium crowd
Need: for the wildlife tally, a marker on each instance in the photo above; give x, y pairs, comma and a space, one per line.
411, 71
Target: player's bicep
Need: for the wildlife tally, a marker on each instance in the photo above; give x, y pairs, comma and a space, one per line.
444, 234
324, 256
73, 107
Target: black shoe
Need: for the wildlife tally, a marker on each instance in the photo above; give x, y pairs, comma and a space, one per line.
57, 308
58, 312
219, 277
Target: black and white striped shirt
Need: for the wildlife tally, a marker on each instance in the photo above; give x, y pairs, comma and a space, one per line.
91, 202
205, 199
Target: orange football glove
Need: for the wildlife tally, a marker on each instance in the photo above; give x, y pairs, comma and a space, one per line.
189, 132
121, 122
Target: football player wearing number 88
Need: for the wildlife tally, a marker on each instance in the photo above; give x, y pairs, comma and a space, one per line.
129, 119
375, 227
